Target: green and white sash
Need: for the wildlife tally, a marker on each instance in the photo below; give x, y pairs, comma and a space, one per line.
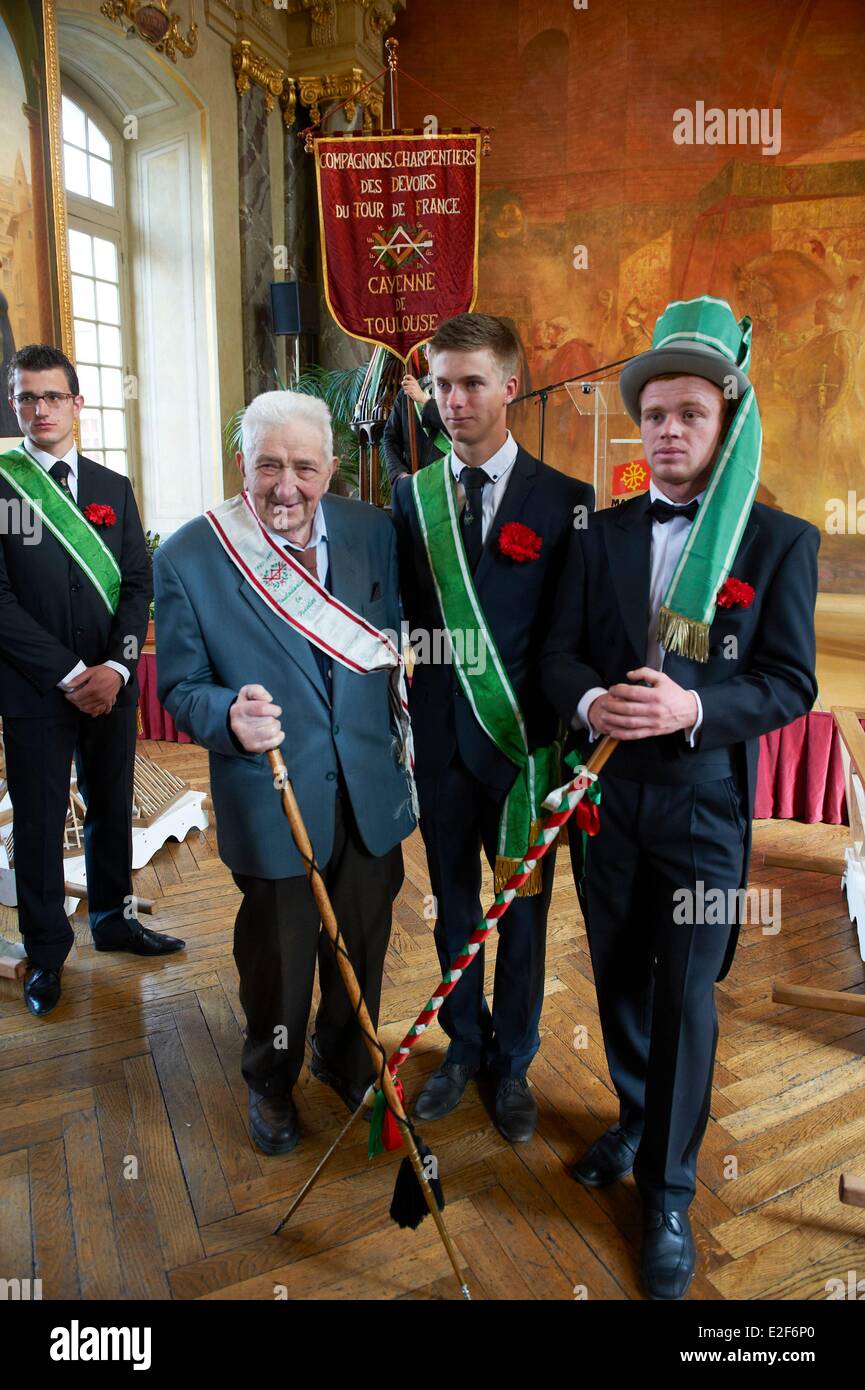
289, 591
485, 684
441, 441
57, 510
708, 554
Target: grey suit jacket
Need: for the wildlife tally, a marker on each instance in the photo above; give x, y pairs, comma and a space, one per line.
214, 635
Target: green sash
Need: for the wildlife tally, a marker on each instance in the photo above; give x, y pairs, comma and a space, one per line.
488, 689
71, 527
442, 441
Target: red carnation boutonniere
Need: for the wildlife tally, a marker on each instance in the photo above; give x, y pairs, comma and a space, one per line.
519, 542
735, 593
100, 514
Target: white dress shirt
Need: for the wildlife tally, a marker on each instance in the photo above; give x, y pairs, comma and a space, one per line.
668, 540
498, 470
48, 461
317, 542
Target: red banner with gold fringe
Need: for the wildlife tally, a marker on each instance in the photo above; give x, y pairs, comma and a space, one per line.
399, 233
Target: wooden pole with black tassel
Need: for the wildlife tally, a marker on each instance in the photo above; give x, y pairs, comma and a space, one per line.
417, 1186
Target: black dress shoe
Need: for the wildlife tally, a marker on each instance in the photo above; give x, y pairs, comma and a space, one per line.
141, 941
42, 990
350, 1094
611, 1157
443, 1092
273, 1123
668, 1257
516, 1110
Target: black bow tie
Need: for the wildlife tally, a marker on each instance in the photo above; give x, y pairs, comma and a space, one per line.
665, 511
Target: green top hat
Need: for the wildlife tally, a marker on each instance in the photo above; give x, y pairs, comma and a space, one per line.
694, 337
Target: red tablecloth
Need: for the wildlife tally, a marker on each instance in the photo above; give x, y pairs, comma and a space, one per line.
154, 721
800, 775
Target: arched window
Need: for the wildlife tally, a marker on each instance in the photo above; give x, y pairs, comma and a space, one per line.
94, 194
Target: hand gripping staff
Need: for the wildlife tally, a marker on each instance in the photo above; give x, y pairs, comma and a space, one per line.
389, 1120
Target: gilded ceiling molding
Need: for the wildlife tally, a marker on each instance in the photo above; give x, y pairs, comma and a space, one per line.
379, 16
333, 87
322, 21
155, 23
288, 102
250, 67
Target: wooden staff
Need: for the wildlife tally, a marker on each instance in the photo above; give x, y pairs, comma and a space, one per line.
370, 1037
594, 764
411, 426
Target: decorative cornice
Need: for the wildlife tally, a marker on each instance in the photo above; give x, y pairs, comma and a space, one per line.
322, 21
250, 67
312, 91
379, 16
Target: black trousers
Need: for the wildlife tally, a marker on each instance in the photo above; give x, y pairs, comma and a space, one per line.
460, 817
39, 755
277, 937
660, 851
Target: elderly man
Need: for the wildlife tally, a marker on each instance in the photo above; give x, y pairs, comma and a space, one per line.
272, 602
685, 629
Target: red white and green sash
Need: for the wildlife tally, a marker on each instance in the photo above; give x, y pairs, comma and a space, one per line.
485, 684
290, 592
57, 510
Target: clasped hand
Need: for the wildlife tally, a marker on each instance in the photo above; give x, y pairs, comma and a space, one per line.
254, 720
94, 690
659, 706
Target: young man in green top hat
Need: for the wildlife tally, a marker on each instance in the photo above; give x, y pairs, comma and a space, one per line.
685, 629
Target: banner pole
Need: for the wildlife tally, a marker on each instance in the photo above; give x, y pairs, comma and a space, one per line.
392, 46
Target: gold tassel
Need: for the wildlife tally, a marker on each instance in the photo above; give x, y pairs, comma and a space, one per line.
506, 868
683, 635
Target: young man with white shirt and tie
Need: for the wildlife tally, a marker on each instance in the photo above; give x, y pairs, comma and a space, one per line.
73, 614
483, 538
685, 629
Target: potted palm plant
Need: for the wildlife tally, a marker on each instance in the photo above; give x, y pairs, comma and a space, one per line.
339, 388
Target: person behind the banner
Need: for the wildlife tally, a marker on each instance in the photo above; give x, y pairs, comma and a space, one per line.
431, 437
74, 602
483, 538
269, 610
684, 628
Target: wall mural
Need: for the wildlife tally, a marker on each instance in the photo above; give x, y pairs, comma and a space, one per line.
688, 149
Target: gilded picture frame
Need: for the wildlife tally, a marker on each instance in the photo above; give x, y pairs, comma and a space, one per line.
33, 241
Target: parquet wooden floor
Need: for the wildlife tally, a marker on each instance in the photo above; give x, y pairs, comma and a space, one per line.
126, 1170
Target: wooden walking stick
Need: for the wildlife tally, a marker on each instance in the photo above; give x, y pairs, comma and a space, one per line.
346, 970
552, 824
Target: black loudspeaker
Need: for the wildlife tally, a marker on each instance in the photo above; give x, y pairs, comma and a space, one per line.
294, 306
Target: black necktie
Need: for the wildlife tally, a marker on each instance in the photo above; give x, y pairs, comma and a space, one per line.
60, 473
665, 511
473, 481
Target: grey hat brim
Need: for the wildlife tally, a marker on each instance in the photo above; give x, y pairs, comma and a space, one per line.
690, 359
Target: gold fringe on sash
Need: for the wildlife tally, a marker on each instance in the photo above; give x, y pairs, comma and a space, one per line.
505, 868
683, 635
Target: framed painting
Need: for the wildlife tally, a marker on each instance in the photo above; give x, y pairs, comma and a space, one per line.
35, 302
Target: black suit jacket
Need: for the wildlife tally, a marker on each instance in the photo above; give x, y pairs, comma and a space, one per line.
51, 617
760, 672
517, 599
395, 445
